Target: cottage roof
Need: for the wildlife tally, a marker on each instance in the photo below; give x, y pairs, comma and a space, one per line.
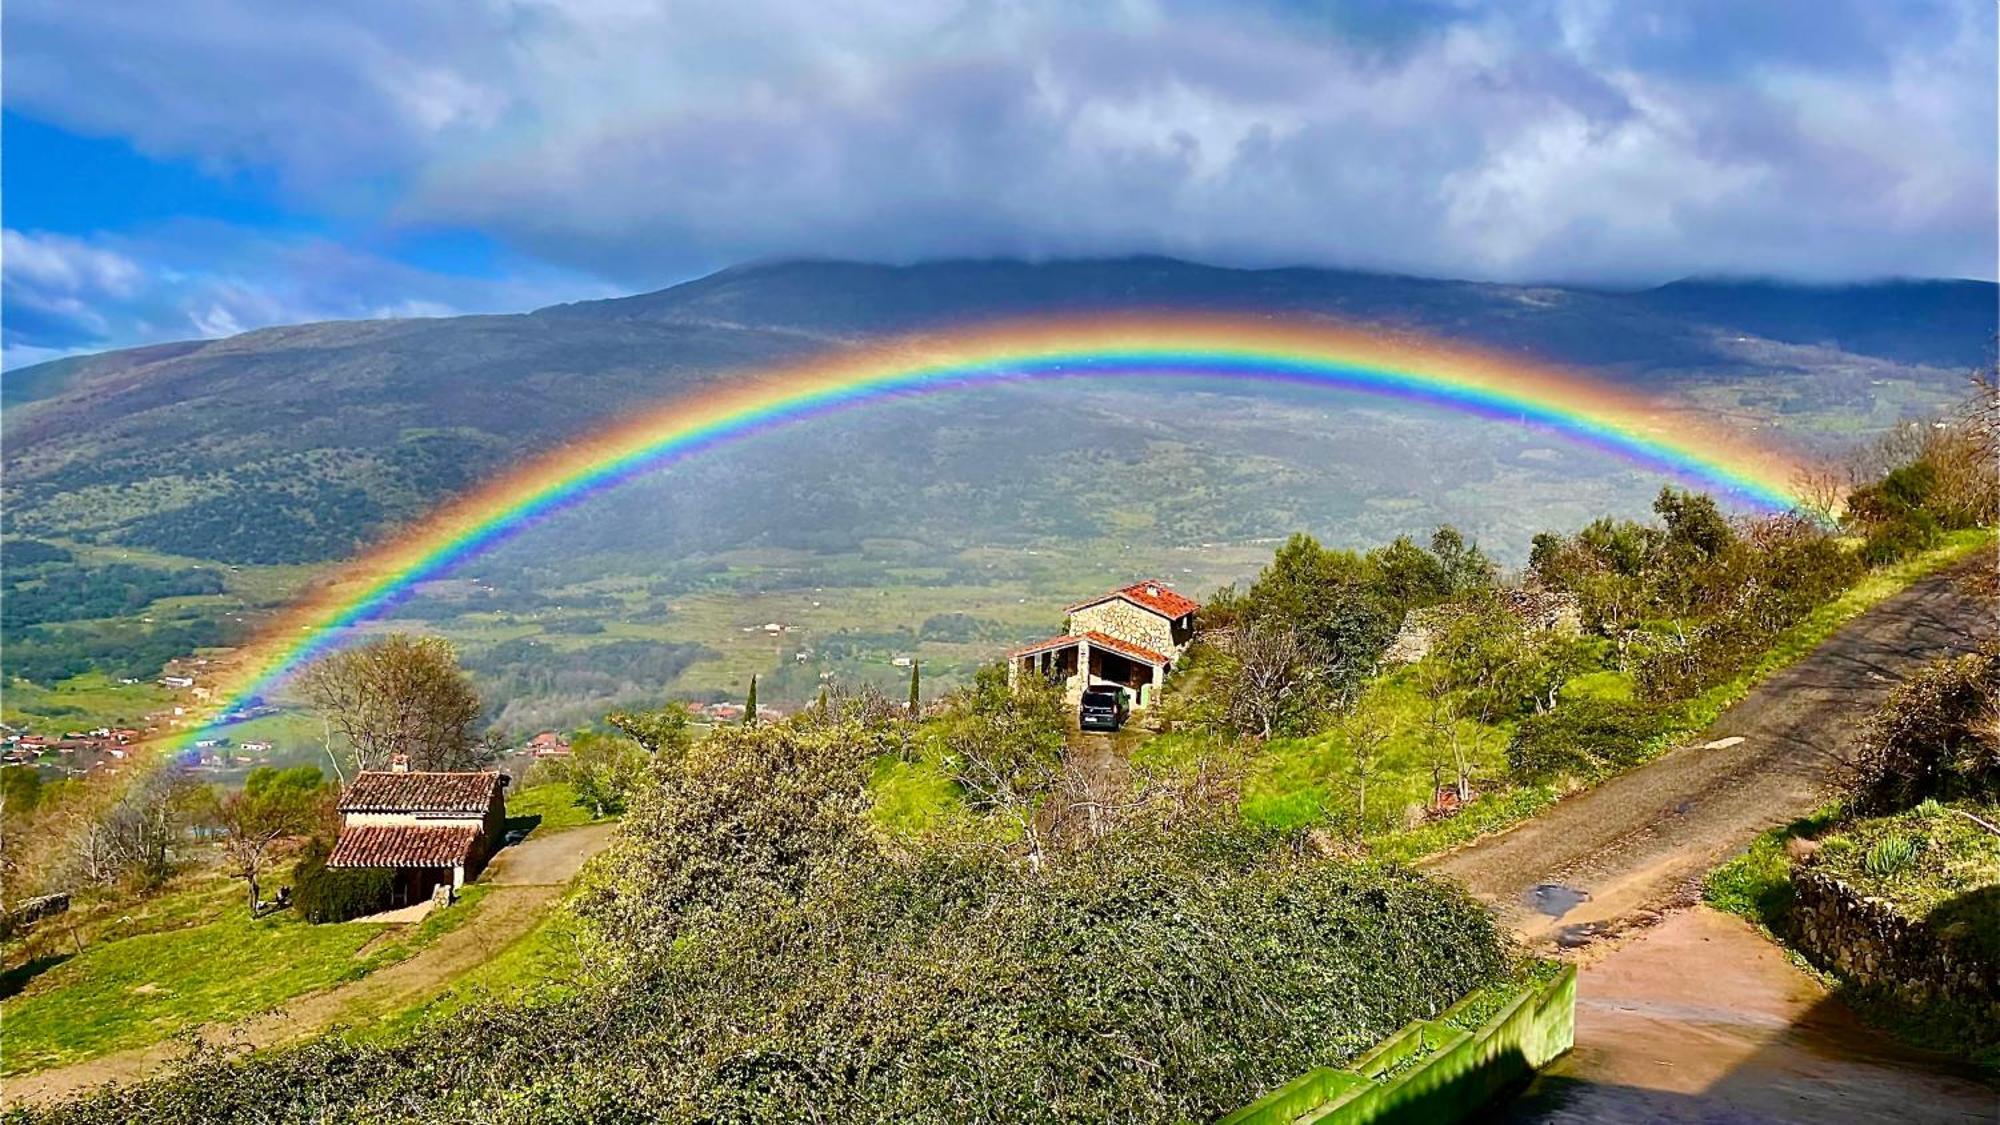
1044, 646
1126, 648
421, 792
404, 845
1152, 594
1097, 640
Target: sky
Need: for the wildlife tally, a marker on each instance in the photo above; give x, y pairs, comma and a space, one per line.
196, 168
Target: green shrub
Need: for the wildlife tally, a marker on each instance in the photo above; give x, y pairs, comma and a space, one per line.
1898, 539
1890, 855
1584, 737
335, 894
782, 960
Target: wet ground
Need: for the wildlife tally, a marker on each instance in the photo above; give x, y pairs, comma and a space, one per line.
1701, 1019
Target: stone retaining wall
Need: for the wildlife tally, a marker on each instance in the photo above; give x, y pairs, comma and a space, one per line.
1868, 941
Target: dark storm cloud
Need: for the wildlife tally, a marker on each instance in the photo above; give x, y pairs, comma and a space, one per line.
636, 142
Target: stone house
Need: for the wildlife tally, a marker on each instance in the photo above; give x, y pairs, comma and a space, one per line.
431, 829
1129, 637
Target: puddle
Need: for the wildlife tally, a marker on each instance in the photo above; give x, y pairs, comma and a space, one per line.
1556, 900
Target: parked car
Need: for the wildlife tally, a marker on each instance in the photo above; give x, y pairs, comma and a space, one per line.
1104, 708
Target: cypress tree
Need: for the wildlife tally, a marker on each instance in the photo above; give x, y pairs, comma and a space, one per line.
750, 705
915, 701
825, 705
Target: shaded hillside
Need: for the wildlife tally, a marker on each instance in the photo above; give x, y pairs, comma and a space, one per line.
297, 444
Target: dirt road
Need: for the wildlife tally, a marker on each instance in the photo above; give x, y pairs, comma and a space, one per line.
1641, 841
523, 880
1686, 1015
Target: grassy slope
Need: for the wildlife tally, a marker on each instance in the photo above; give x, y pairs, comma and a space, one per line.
200, 959
552, 806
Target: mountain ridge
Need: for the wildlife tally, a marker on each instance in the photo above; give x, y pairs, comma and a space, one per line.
299, 443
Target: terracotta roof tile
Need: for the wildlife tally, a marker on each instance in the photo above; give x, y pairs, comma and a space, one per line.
1100, 640
1153, 594
403, 845
388, 791
1127, 648
1043, 646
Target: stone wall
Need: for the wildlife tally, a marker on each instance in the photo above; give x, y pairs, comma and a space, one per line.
1119, 618
1867, 940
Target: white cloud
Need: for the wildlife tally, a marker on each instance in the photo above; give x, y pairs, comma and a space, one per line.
64, 295
643, 141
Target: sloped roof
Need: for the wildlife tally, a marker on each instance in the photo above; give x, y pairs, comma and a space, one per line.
1044, 646
403, 845
1098, 640
1152, 594
1127, 648
421, 792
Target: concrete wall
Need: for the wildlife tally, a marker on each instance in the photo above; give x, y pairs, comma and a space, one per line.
1459, 1071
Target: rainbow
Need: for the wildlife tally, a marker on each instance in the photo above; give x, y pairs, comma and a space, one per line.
1209, 349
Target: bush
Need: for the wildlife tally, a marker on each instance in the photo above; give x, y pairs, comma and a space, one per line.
1892, 542
1583, 738
336, 894
1937, 736
785, 962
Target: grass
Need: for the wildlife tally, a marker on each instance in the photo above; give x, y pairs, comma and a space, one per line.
197, 959
81, 703
1951, 879
547, 963
552, 806
912, 798
1757, 885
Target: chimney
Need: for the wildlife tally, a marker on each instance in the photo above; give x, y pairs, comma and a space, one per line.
1152, 589
399, 763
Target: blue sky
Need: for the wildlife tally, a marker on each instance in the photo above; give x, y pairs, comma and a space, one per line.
201, 167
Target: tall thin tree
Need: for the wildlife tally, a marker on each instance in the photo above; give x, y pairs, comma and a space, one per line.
750, 705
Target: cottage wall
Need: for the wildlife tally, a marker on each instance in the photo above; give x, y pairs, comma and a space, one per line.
1119, 618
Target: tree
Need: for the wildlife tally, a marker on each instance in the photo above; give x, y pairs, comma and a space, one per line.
1330, 597
1272, 680
399, 695
270, 807
1364, 735
664, 729
130, 832
750, 705
1004, 747
605, 769
916, 698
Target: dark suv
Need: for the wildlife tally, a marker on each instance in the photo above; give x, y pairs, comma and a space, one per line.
1103, 708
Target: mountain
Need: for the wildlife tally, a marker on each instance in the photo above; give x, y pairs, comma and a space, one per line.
298, 444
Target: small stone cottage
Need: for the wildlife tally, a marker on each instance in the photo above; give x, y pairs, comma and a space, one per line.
431, 829
1129, 637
